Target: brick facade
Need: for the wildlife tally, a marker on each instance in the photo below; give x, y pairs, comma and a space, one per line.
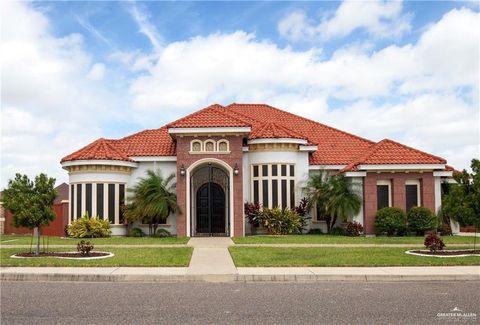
185, 159
427, 193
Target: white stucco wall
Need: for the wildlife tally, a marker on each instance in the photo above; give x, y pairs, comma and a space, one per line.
166, 168
298, 158
130, 179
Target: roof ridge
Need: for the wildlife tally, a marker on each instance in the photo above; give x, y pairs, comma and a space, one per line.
215, 110
371, 150
305, 119
416, 150
192, 114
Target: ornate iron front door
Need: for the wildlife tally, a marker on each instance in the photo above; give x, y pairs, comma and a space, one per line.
210, 210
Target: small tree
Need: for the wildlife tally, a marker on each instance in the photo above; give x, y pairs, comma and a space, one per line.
152, 200
31, 202
462, 203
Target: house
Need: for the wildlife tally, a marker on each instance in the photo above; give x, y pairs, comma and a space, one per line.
224, 156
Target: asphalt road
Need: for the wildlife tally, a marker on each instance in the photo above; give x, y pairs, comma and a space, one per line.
262, 303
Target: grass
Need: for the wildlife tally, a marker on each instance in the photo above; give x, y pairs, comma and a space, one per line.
311, 256
153, 257
114, 240
329, 239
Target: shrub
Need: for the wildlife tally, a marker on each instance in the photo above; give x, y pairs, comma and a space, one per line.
280, 222
315, 231
337, 231
161, 233
136, 232
353, 229
434, 243
420, 219
444, 229
89, 227
302, 210
251, 212
84, 247
390, 221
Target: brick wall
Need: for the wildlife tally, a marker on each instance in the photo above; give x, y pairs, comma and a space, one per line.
427, 193
233, 158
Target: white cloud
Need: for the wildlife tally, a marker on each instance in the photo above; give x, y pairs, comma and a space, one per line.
404, 80
50, 104
97, 71
381, 19
142, 17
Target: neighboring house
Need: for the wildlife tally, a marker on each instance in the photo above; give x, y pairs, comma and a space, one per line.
55, 228
226, 156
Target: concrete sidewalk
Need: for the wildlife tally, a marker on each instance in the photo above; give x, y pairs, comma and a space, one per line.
254, 274
211, 256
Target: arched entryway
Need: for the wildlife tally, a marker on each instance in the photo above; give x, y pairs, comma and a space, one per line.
209, 193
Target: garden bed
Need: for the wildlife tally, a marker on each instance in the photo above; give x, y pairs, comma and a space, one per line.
445, 253
66, 255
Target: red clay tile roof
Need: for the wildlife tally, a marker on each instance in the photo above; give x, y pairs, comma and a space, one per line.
271, 130
335, 147
101, 149
211, 116
390, 152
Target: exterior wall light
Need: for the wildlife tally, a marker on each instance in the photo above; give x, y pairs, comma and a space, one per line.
182, 170
235, 170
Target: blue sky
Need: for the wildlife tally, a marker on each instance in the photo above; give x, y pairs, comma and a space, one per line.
76, 71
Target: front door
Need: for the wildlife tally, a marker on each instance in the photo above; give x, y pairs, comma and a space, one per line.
211, 210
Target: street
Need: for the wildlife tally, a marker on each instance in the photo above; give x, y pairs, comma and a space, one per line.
227, 303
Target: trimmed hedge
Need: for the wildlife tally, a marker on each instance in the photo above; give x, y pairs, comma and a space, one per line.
420, 219
390, 221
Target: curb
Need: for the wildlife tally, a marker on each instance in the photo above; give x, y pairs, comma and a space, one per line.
231, 278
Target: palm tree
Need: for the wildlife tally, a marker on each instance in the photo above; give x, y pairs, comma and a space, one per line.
152, 200
333, 197
318, 194
343, 202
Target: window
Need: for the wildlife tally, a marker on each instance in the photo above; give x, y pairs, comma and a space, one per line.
79, 200
88, 199
271, 188
111, 203
222, 145
384, 194
72, 200
100, 194
209, 146
121, 195
412, 194
103, 199
196, 145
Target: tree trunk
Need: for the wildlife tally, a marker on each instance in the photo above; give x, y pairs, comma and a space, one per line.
37, 250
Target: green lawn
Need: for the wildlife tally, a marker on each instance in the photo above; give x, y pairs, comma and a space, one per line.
114, 240
123, 257
311, 256
328, 239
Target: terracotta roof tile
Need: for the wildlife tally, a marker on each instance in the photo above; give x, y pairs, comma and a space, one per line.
335, 147
101, 149
391, 152
272, 130
211, 116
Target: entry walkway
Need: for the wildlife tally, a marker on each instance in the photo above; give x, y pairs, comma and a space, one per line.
211, 256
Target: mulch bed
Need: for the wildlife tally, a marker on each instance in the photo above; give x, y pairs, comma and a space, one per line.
63, 254
447, 252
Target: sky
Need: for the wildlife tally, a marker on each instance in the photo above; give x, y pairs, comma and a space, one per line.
72, 72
